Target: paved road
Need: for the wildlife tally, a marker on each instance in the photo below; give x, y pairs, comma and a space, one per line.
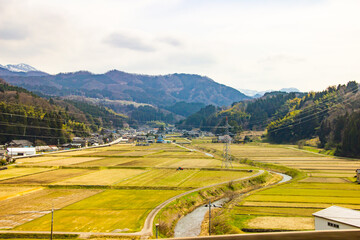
148, 225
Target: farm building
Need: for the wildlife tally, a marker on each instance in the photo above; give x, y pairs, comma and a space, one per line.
79, 141
335, 217
21, 151
20, 143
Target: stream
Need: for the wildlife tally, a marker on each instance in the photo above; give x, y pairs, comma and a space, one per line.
190, 225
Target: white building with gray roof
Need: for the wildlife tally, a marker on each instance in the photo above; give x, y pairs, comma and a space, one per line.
334, 217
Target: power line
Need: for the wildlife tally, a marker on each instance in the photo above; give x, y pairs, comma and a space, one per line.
40, 127
304, 110
299, 121
22, 135
188, 125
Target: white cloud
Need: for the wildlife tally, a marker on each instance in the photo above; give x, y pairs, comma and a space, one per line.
13, 33
120, 40
244, 44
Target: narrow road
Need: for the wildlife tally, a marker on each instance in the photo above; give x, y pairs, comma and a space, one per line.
148, 225
193, 150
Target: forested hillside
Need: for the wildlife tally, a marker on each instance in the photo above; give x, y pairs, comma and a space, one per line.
27, 116
332, 115
317, 113
253, 115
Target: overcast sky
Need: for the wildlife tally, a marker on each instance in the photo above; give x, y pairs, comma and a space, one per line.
253, 44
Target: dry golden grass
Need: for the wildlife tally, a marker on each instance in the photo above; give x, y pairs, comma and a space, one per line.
331, 171
178, 155
146, 162
136, 153
261, 150
102, 177
339, 175
289, 223
117, 147
68, 161
106, 162
198, 163
46, 177
324, 180
75, 153
18, 172
294, 159
322, 164
38, 159
9, 192
103, 153
297, 204
19, 210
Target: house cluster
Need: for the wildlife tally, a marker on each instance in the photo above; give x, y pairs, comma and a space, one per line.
94, 139
196, 133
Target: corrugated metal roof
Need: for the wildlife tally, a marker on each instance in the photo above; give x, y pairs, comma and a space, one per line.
340, 214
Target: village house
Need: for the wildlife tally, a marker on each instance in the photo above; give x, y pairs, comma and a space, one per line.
20, 143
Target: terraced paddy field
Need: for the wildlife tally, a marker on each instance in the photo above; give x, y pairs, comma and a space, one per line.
27, 207
103, 189
107, 211
47, 177
19, 172
328, 181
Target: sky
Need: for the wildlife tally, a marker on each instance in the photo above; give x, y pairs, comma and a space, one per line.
245, 44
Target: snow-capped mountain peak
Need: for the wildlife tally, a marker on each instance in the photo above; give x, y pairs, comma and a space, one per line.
22, 67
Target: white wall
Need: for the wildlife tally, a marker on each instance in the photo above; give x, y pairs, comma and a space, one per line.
21, 151
322, 224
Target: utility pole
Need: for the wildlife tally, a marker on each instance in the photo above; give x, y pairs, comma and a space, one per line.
157, 229
52, 222
209, 217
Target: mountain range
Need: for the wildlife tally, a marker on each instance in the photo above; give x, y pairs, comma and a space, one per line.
21, 67
159, 90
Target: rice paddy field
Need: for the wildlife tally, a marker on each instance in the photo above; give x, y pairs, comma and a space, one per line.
108, 189
108, 211
329, 181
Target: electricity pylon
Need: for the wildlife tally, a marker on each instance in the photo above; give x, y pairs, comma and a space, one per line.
227, 141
